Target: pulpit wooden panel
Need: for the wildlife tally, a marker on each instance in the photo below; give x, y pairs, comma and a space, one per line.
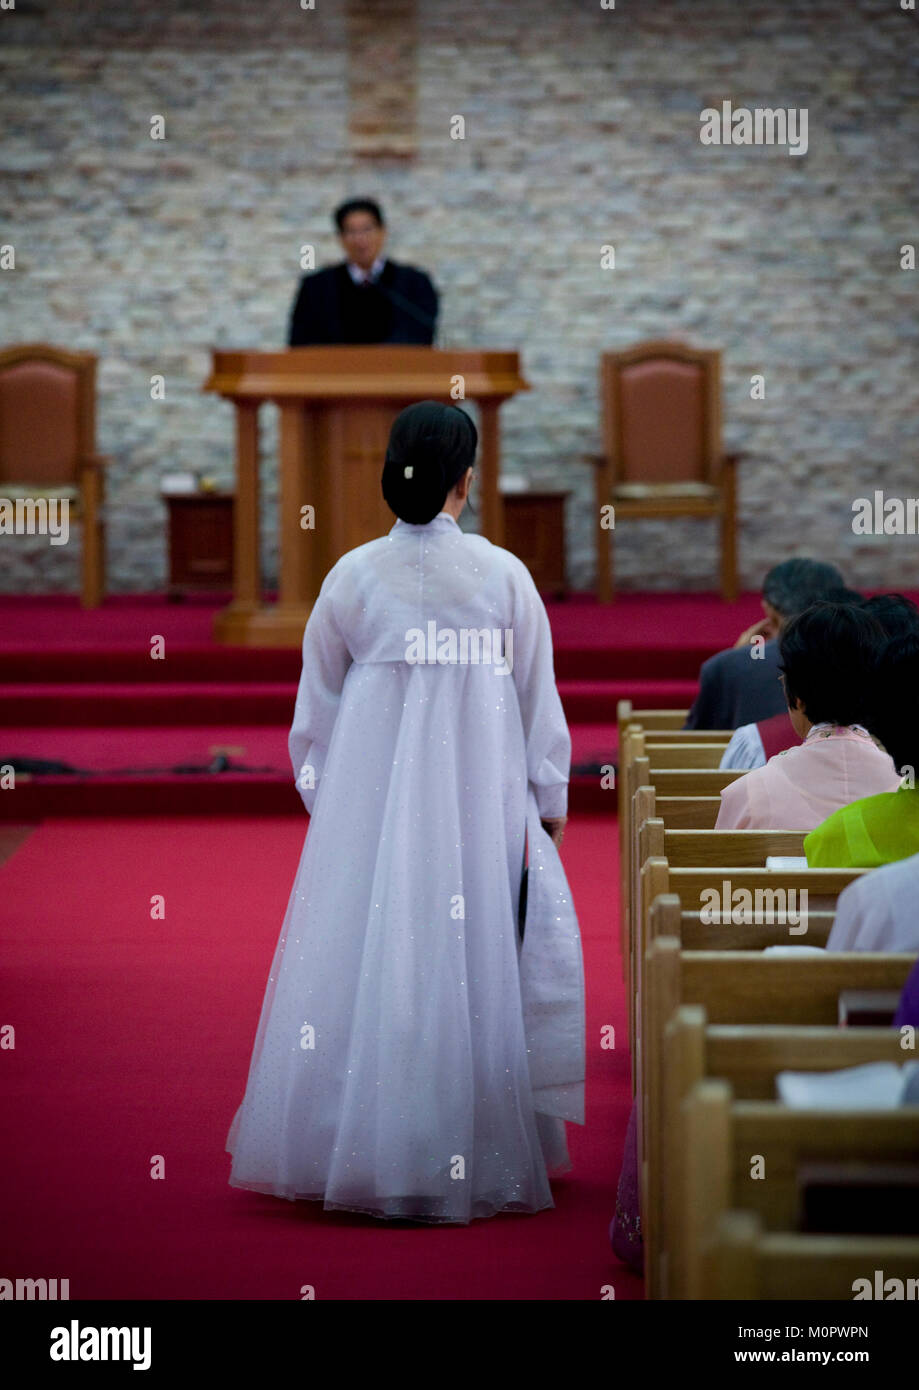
337, 405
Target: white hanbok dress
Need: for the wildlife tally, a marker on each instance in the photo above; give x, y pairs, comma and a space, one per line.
413, 1058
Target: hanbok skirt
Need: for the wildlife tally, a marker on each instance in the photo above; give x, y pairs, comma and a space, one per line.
414, 1059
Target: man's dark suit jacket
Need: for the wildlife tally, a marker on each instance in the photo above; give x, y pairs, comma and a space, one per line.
401, 307
735, 689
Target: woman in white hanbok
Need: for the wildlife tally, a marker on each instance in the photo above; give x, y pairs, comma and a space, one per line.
421, 1040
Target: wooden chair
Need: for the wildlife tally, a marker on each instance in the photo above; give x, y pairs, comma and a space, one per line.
48, 441
662, 451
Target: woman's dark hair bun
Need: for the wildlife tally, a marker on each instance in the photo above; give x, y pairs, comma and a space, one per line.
430, 447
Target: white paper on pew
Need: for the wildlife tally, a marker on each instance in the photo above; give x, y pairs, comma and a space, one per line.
794, 950
875, 1086
785, 861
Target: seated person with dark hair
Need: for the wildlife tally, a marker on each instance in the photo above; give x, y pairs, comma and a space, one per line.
754, 744
741, 685
365, 298
882, 828
896, 613
827, 655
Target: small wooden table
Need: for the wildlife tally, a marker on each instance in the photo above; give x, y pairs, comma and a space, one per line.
534, 529
200, 541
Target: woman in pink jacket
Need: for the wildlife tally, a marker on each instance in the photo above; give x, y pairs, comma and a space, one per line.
827, 658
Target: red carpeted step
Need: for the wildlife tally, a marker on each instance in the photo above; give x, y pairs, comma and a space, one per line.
156, 749
592, 702
165, 702
160, 748
266, 702
127, 770
97, 663
37, 798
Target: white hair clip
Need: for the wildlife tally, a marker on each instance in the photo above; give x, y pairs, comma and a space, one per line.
408, 471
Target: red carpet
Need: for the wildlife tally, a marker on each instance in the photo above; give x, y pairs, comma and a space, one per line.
133, 1039
79, 687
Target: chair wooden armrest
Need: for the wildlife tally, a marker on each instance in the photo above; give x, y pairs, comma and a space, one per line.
92, 470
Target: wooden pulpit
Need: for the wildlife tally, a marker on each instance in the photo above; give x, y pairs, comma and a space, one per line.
337, 405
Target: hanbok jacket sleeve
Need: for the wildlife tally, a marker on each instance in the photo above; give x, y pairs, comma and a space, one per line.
326, 660
826, 847
734, 811
853, 911
548, 742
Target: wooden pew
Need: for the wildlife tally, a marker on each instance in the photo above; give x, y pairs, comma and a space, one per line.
677, 812
721, 1134
682, 748
695, 754
649, 718
709, 848
736, 987
658, 879
683, 781
748, 1057
664, 723
680, 783
697, 935
746, 1262
713, 855
635, 743
690, 883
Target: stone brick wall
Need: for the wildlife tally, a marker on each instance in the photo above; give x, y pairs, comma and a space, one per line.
582, 129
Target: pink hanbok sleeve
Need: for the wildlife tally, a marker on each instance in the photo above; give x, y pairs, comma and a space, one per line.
734, 812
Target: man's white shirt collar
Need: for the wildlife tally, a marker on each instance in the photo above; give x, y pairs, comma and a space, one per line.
358, 275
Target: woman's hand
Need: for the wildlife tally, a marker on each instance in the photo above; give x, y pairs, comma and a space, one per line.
555, 829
